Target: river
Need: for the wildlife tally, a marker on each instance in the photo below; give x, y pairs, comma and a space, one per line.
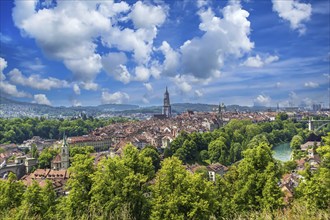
282, 152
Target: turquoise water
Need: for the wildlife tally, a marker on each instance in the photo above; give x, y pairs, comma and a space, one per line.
282, 152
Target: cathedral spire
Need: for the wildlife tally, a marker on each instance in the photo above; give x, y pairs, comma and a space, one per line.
65, 161
167, 106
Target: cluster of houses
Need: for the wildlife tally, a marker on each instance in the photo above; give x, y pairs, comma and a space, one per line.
156, 132
291, 180
160, 132
58, 178
212, 170
39, 142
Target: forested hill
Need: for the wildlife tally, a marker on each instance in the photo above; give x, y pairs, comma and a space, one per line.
12, 108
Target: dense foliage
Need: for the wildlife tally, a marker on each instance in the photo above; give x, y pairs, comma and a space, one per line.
19, 129
137, 186
314, 192
127, 187
227, 144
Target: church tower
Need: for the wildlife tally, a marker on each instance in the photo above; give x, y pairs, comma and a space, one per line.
167, 106
65, 154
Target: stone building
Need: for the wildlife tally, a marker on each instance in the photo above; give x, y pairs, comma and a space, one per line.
61, 161
167, 111
99, 142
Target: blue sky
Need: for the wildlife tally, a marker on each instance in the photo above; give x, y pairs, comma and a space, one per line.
96, 52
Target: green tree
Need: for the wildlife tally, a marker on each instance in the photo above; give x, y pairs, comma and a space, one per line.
217, 151
79, 186
138, 162
11, 192
296, 141
315, 190
282, 116
252, 130
38, 202
46, 157
324, 151
178, 194
122, 182
81, 150
257, 177
288, 166
204, 155
180, 154
32, 204
49, 200
150, 151
34, 151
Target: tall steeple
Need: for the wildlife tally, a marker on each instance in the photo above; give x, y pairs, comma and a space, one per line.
65, 163
221, 110
167, 106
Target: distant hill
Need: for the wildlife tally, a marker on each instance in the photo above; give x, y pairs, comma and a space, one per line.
183, 107
12, 108
118, 107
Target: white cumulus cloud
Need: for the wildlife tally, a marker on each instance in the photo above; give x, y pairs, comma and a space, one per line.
312, 85
203, 57
199, 93
41, 99
142, 73
76, 89
253, 62
89, 86
271, 59
3, 65
147, 16
172, 59
114, 65
6, 87
293, 11
11, 90
65, 32
114, 98
84, 68
35, 81
262, 100
182, 84
148, 86
258, 62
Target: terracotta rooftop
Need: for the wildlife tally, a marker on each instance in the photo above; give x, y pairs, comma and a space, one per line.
308, 144
217, 167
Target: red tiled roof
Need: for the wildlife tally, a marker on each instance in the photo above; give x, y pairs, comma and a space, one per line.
57, 159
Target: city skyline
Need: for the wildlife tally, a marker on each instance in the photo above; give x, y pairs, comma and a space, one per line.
98, 52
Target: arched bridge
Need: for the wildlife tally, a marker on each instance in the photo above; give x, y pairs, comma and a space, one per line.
315, 125
18, 169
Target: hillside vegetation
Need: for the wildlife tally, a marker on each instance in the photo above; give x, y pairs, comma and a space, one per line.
137, 186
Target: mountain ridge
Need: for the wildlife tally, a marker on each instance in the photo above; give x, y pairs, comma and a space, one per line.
9, 107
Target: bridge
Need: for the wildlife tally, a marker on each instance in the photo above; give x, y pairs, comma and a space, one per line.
315, 125
18, 169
